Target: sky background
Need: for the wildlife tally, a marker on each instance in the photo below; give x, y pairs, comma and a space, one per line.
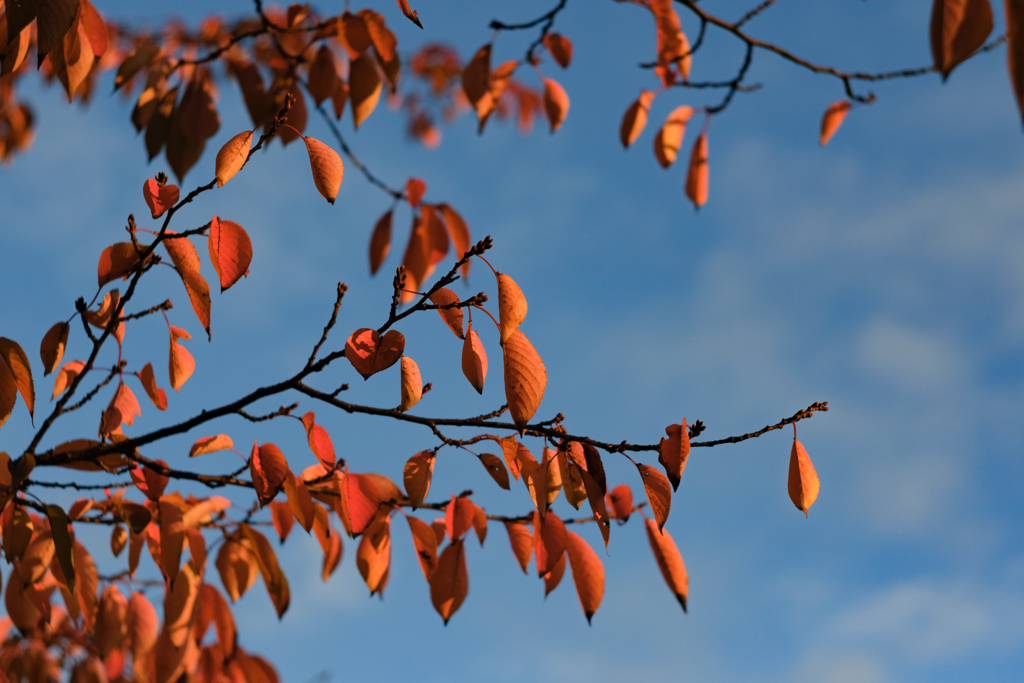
883, 274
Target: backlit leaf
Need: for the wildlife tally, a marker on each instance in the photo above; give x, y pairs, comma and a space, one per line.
425, 542
659, 492
554, 577
412, 384
458, 517
151, 482
673, 452
414, 191
282, 518
803, 480
20, 370
559, 47
273, 577
620, 499
474, 359
635, 118
319, 441
361, 500
268, 468
495, 468
697, 174
232, 157
299, 500
556, 103
452, 317
549, 537
181, 364
55, 18
958, 28
459, 232
476, 77
834, 116
327, 166
479, 523
160, 197
587, 573
62, 543
511, 306
449, 584
157, 395
410, 13
670, 562
670, 136
116, 261
211, 444
172, 537
380, 242
525, 378
419, 470
521, 538
370, 353
142, 624
596, 499
373, 557
323, 75
51, 350
364, 86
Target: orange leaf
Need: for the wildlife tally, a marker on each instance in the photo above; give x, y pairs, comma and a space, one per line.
181, 362
384, 41
474, 359
510, 449
186, 262
268, 469
157, 395
282, 518
332, 558
370, 353
495, 468
232, 156
20, 371
237, 566
572, 478
323, 75
958, 28
452, 317
414, 191
670, 136
116, 261
328, 168
635, 118
479, 523
436, 237
373, 557
419, 470
361, 500
522, 542
548, 540
554, 577
319, 441
597, 506
659, 492
439, 528
672, 44
425, 541
299, 500
673, 452
412, 384
380, 242
51, 350
159, 197
834, 116
803, 480
670, 562
511, 306
556, 103
525, 378
211, 444
172, 537
407, 11
273, 577
364, 88
560, 48
459, 231
94, 28
230, 251
587, 573
476, 77
697, 175
141, 626
620, 499
458, 517
449, 584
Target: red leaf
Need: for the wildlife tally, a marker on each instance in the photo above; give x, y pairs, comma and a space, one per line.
458, 517
449, 584
268, 468
548, 540
319, 441
370, 353
414, 191
230, 251
159, 197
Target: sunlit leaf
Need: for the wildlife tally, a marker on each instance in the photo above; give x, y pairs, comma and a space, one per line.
370, 353
659, 492
559, 47
834, 116
669, 139
474, 359
635, 118
697, 174
525, 378
449, 584
327, 166
556, 103
587, 573
51, 350
230, 251
412, 384
803, 480
670, 562
419, 470
211, 444
958, 28
232, 156
268, 468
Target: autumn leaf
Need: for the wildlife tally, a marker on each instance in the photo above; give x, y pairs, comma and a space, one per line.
548, 540
51, 350
328, 168
673, 48
474, 359
282, 518
673, 452
55, 18
554, 577
118, 539
1015, 48
268, 469
495, 468
360, 499
323, 75
62, 544
273, 577
230, 251
453, 316
157, 395
803, 480
151, 482
525, 378
172, 536
414, 191
620, 499
559, 47
237, 565
511, 306
412, 384
364, 88
425, 542
419, 470
110, 620
211, 444
521, 539
670, 562
833, 118
635, 118
697, 175
556, 103
407, 11
231, 157
161, 197
299, 501
370, 353
319, 441
332, 558
141, 626
181, 363
587, 573
476, 77
669, 139
186, 262
459, 232
380, 242
479, 523
659, 492
373, 557
17, 372
116, 261
595, 497
449, 584
572, 479
458, 517
958, 28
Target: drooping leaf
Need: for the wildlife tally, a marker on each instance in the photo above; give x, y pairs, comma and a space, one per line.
559, 47
364, 88
425, 542
635, 118
63, 545
521, 539
370, 353
525, 378
452, 317
803, 480
554, 577
595, 497
414, 191
834, 116
172, 537
958, 28
474, 359
419, 470
697, 174
327, 166
449, 584
556, 103
151, 482
299, 500
620, 499
670, 562
511, 306
587, 573
116, 261
141, 627
1015, 48
55, 18
548, 540
373, 557
659, 492
273, 577
380, 242
476, 77
323, 75
673, 452
111, 614
237, 566
495, 468
282, 518
157, 395
62, 381
458, 517
232, 157
332, 558
409, 12
360, 499
51, 350
459, 232
412, 384
20, 370
669, 139
479, 523
181, 364
319, 441
118, 539
268, 468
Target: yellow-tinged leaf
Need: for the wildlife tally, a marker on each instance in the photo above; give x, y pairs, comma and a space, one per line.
373, 557
556, 103
669, 139
474, 359
380, 242
364, 86
51, 350
268, 468
425, 541
659, 492
958, 28
559, 47
18, 370
273, 577
511, 306
370, 353
587, 573
157, 395
635, 118
419, 470
572, 480
697, 174
412, 384
204, 510
521, 539
181, 364
670, 562
232, 157
525, 378
495, 468
833, 118
449, 584
803, 480
328, 168
452, 317
211, 444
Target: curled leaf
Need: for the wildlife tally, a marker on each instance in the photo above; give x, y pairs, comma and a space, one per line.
268, 469
635, 118
181, 363
673, 452
319, 441
559, 47
418, 472
159, 197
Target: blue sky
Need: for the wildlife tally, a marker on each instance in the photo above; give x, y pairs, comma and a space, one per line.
883, 273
